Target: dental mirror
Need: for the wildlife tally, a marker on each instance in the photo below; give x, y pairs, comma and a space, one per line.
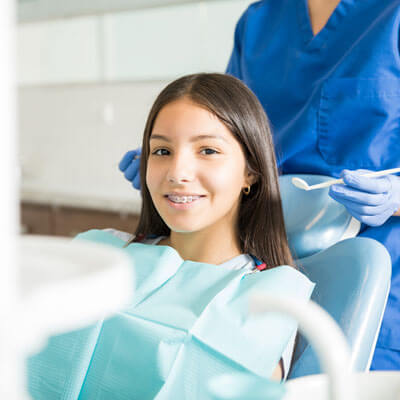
302, 184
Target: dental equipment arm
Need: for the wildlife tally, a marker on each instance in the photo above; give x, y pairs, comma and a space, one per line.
130, 165
370, 200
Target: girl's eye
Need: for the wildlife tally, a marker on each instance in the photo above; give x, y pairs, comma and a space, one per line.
161, 152
209, 151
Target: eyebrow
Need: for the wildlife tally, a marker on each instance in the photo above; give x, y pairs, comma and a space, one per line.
194, 139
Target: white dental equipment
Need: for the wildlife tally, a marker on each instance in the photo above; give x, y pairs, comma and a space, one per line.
339, 382
63, 285
302, 184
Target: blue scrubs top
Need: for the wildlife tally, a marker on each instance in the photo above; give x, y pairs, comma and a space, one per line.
333, 101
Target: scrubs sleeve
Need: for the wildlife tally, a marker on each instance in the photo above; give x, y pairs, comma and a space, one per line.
233, 67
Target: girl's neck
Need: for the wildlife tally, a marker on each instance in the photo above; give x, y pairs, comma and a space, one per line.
211, 247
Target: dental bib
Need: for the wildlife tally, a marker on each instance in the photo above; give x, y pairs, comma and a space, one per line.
188, 321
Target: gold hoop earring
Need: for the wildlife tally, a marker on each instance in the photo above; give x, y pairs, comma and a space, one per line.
246, 190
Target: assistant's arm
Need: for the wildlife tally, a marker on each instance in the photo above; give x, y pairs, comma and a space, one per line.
234, 64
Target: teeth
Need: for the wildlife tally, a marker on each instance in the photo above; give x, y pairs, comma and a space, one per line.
183, 199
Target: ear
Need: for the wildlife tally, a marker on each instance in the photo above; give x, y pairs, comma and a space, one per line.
250, 178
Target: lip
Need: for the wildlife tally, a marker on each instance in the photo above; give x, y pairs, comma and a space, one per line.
183, 194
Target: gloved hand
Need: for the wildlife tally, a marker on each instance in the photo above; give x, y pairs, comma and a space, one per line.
370, 200
130, 166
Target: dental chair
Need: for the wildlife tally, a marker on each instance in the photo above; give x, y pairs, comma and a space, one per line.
352, 274
313, 220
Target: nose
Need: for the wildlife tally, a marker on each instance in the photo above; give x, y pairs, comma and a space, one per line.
181, 168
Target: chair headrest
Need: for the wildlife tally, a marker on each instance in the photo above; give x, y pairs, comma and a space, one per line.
313, 220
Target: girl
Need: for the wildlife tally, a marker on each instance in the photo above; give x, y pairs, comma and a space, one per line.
211, 184
211, 211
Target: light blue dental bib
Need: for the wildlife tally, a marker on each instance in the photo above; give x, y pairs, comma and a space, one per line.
188, 322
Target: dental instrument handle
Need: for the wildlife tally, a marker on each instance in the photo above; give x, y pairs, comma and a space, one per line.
383, 172
325, 184
367, 175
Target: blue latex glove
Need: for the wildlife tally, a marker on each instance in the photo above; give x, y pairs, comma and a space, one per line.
370, 200
130, 166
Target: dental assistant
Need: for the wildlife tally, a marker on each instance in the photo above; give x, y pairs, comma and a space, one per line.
327, 73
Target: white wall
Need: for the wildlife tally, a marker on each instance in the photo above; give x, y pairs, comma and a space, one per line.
149, 44
87, 83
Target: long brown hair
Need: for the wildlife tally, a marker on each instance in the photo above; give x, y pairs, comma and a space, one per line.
261, 226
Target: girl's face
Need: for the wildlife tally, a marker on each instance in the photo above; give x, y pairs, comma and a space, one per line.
196, 169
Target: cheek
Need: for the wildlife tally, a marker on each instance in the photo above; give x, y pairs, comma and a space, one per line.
227, 179
153, 176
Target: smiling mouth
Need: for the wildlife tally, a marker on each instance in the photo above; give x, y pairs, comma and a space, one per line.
183, 199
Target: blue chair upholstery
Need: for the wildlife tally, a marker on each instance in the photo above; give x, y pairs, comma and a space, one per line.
352, 276
313, 220
352, 284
